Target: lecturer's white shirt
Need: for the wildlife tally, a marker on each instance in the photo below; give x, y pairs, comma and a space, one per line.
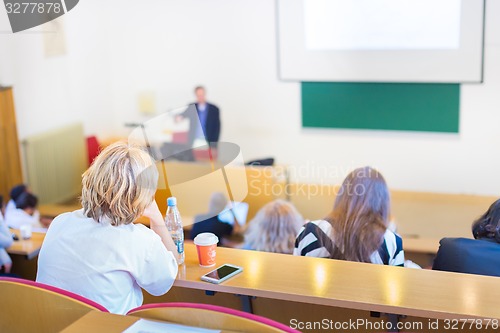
106, 264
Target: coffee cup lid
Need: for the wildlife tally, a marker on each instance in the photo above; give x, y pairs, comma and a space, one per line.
206, 238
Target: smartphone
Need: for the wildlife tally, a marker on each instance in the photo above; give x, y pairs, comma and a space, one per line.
222, 273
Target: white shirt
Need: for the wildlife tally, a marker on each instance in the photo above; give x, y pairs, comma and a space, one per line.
5, 241
15, 218
11, 208
202, 107
106, 264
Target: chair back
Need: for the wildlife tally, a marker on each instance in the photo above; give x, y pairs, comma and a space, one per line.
209, 316
29, 306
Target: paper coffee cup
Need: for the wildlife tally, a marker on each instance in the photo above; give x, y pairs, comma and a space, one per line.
206, 244
25, 231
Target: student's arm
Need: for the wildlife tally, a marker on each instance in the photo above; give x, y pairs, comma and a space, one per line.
179, 117
158, 226
157, 272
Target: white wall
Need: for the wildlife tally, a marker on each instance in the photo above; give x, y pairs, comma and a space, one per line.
168, 47
51, 92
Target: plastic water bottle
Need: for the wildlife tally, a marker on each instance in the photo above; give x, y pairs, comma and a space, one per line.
174, 226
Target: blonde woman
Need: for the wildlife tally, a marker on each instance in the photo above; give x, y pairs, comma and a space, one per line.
274, 228
357, 228
98, 252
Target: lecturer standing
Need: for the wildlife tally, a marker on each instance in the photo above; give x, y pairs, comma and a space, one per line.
208, 126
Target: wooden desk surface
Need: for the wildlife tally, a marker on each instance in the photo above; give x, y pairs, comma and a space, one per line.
420, 293
27, 247
421, 245
101, 322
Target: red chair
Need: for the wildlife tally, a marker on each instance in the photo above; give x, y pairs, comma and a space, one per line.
93, 148
209, 316
28, 306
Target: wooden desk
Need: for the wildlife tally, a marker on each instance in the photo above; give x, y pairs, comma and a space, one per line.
101, 322
421, 245
419, 293
421, 251
27, 247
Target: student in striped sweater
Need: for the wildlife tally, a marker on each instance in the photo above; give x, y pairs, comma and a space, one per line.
357, 228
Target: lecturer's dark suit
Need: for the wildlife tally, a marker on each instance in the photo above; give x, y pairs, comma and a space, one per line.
212, 124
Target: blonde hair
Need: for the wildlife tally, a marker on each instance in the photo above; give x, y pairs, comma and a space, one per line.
360, 215
274, 228
119, 185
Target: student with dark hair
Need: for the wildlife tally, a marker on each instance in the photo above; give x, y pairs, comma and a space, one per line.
487, 227
15, 192
27, 202
480, 255
210, 222
24, 213
357, 228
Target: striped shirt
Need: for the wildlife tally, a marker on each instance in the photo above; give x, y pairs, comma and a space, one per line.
313, 241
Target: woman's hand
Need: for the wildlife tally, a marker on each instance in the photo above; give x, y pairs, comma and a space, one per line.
153, 213
157, 224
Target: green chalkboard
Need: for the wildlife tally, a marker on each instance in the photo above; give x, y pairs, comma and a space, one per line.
384, 106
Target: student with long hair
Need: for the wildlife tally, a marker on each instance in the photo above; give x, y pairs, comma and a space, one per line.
357, 227
98, 252
15, 193
274, 228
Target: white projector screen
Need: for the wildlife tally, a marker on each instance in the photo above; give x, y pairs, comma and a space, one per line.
381, 40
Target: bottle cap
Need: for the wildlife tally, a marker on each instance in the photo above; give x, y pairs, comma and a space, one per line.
172, 201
